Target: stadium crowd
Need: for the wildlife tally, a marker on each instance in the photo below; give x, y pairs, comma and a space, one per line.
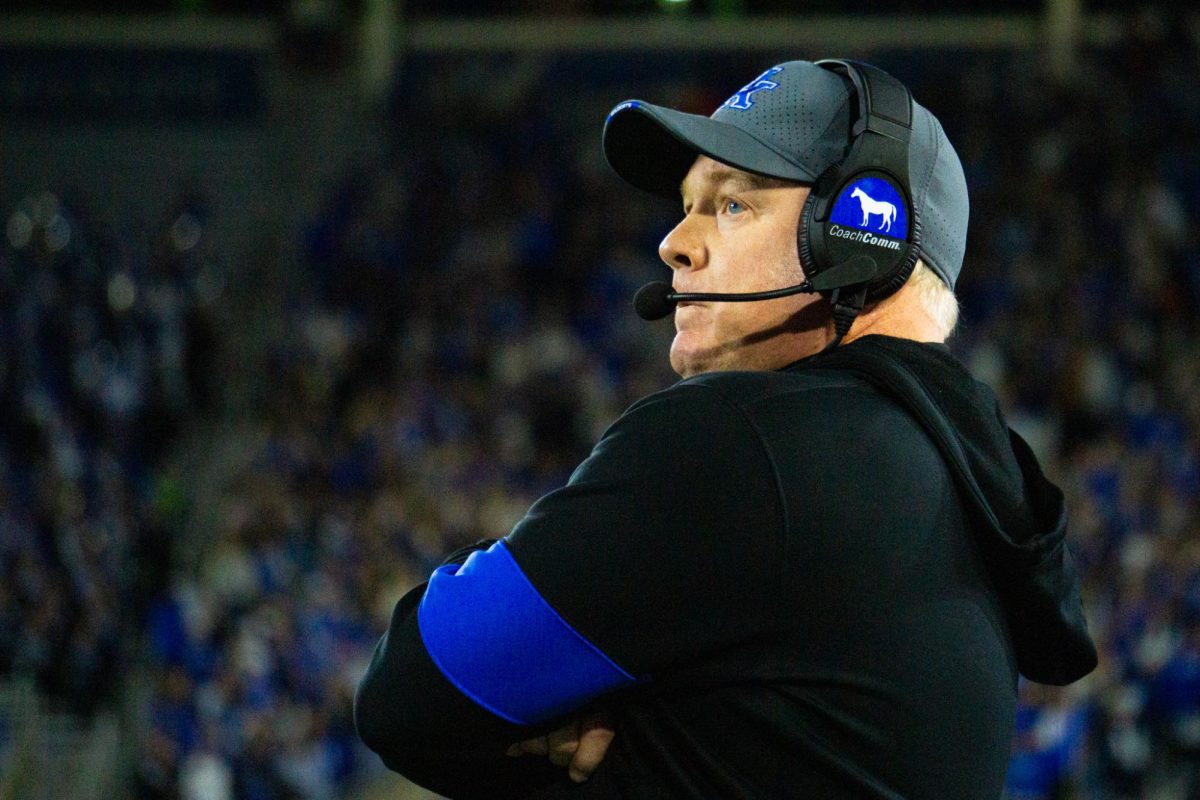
462, 334
105, 351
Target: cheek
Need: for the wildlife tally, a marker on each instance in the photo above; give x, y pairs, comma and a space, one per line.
714, 322
785, 261
732, 318
770, 264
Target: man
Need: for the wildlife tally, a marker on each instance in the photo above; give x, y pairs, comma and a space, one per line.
812, 568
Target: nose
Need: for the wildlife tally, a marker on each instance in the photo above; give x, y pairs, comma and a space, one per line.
683, 247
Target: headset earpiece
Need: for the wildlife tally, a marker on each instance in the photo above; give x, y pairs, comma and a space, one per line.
860, 211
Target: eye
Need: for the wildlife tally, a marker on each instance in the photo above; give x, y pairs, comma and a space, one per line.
734, 206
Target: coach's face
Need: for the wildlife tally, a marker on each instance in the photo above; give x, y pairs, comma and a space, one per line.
738, 234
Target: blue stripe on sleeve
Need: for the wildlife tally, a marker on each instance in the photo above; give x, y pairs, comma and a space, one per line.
502, 645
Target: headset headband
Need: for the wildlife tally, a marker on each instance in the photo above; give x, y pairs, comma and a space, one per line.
884, 103
859, 231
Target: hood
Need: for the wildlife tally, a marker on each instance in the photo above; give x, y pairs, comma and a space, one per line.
1020, 516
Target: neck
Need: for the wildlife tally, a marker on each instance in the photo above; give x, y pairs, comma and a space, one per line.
900, 315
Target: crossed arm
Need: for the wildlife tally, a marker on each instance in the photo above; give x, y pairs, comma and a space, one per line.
630, 571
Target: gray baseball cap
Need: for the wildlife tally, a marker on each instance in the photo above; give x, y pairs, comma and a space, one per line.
791, 122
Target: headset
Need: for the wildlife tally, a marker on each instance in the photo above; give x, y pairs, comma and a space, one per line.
859, 231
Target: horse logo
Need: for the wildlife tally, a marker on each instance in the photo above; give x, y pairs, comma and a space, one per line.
871, 207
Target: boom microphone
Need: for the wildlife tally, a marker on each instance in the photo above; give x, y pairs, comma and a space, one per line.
651, 301
655, 300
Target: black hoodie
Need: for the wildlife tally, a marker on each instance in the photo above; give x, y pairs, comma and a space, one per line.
1022, 517
818, 582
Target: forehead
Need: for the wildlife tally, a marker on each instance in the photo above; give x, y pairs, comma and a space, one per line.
707, 174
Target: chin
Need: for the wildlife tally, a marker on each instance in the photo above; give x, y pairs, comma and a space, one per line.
681, 362
689, 360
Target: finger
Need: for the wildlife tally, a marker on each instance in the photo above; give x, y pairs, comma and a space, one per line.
563, 743
514, 750
535, 746
593, 746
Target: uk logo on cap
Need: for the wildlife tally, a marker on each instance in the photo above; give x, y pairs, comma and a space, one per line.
872, 204
744, 98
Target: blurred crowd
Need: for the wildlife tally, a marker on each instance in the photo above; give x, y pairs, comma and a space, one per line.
105, 352
461, 338
460, 335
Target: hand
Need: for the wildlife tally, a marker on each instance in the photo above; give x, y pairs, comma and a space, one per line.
579, 746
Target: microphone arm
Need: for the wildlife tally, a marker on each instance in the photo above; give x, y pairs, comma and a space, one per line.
679, 297
656, 300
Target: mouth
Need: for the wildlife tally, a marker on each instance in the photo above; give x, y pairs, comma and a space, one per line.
686, 319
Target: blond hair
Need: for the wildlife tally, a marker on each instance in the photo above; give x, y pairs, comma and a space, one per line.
935, 297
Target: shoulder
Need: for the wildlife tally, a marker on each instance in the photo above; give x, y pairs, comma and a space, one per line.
744, 389
747, 388
728, 415
734, 399
809, 410
680, 423
700, 430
